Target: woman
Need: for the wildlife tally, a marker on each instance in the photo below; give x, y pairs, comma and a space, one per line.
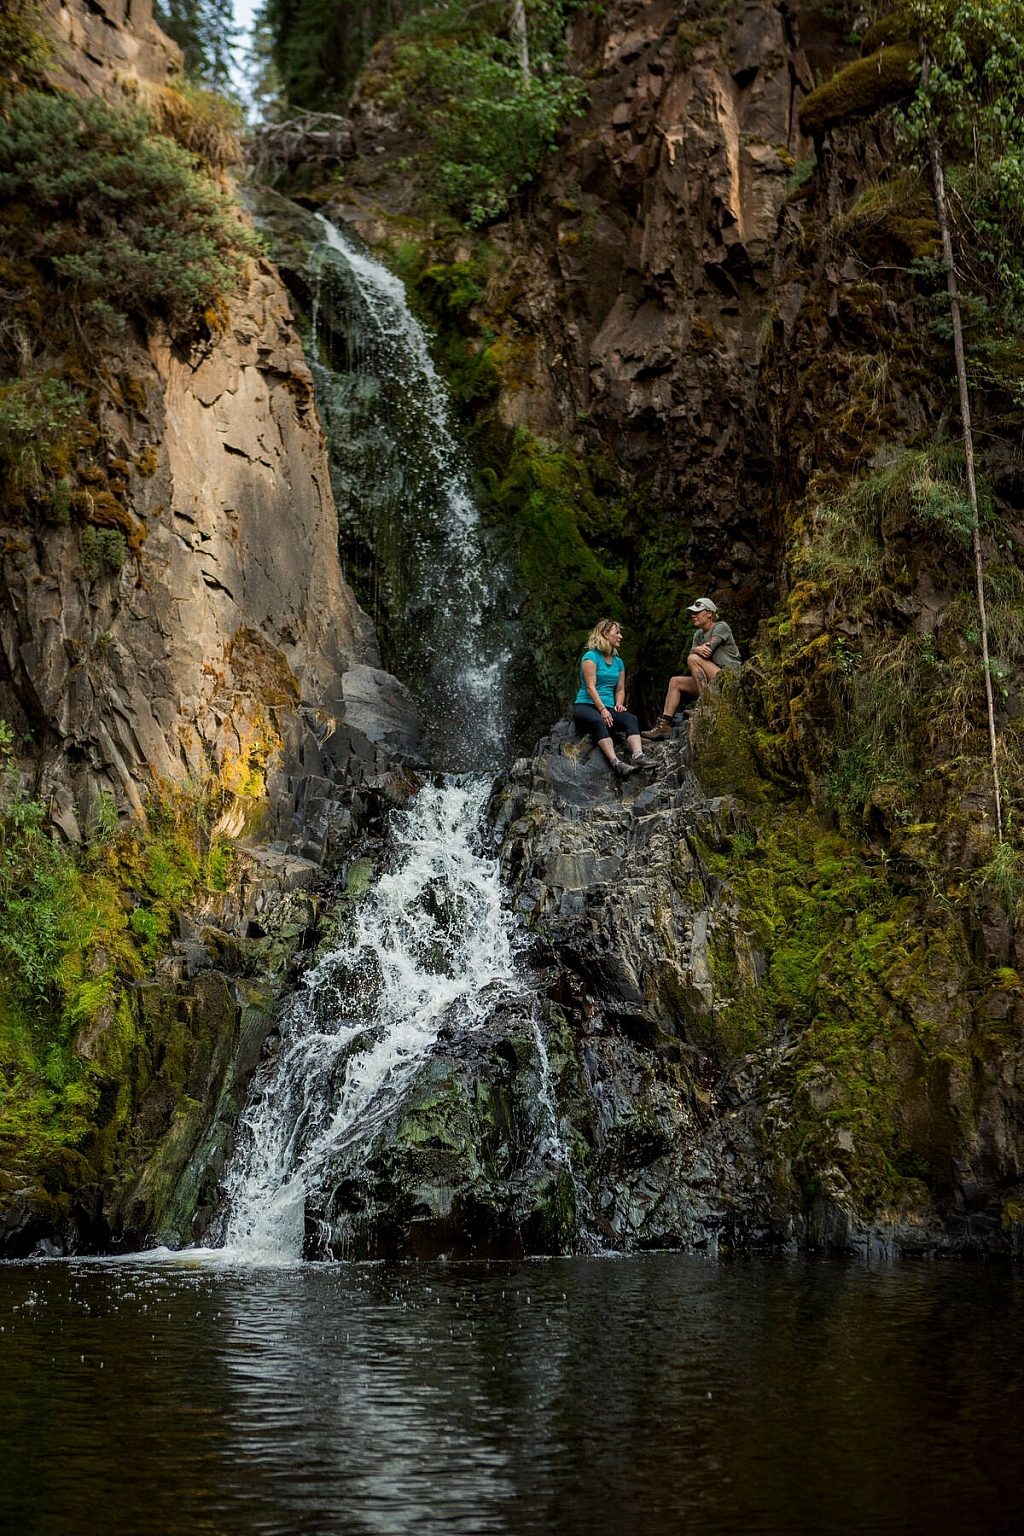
599, 705
711, 638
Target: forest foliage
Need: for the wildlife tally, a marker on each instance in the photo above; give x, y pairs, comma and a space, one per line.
206, 33
487, 119
971, 95
481, 99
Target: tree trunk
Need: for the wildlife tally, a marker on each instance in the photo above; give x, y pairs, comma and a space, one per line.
942, 208
518, 30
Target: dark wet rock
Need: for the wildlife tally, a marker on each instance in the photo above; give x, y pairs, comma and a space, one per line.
590, 1112
198, 1043
607, 1108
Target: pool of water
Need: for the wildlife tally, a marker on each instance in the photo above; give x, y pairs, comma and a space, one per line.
647, 1395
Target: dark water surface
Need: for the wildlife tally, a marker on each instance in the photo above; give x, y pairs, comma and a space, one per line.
660, 1394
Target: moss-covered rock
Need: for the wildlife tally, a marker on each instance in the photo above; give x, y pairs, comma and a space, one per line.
887, 76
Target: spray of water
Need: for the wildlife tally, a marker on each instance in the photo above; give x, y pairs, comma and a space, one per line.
430, 943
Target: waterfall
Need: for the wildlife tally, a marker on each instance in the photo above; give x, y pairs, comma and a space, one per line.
430, 944
429, 952
409, 527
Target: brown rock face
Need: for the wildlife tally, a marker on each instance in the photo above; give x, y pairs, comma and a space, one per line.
231, 615
106, 46
218, 648
645, 267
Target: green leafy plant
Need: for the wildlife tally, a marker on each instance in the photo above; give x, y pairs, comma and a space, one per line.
101, 547
40, 417
488, 104
119, 216
972, 98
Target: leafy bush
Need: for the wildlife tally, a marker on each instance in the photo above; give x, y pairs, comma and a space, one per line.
118, 214
101, 546
39, 418
973, 99
487, 122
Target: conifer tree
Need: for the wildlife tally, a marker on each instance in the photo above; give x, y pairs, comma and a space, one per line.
205, 31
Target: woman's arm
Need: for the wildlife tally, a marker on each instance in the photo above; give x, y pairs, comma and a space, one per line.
620, 690
589, 671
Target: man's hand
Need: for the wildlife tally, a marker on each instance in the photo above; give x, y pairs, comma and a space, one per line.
705, 650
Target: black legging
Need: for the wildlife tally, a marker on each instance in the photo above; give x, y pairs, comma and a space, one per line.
586, 718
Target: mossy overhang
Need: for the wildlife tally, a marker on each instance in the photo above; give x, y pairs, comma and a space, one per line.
885, 77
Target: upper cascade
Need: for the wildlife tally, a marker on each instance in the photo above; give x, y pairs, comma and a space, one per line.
408, 519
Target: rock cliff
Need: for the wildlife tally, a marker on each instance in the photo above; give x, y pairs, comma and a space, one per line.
219, 659
632, 289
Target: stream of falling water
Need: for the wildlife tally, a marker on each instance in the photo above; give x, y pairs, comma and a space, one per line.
410, 531
430, 943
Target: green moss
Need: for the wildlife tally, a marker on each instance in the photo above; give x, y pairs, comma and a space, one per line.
853, 975
861, 88
78, 928
722, 744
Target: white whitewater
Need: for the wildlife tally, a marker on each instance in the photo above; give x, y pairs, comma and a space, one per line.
402, 487
430, 942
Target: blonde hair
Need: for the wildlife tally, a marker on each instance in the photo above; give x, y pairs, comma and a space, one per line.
598, 638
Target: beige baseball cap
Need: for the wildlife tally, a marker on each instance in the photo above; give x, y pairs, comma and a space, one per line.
703, 605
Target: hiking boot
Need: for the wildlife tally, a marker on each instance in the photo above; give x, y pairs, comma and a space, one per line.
642, 761
658, 732
621, 769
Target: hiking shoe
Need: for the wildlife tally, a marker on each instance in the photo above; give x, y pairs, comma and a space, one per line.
657, 732
642, 761
621, 769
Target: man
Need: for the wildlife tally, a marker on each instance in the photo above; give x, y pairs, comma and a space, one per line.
712, 638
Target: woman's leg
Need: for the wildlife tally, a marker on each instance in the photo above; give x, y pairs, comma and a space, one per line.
624, 721
701, 672
587, 718
677, 687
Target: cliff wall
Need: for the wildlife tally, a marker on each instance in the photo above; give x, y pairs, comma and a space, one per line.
193, 703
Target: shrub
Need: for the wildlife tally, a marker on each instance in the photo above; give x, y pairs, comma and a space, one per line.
118, 214
40, 416
973, 100
101, 546
487, 124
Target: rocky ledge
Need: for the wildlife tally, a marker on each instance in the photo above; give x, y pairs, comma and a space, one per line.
584, 1114
609, 1107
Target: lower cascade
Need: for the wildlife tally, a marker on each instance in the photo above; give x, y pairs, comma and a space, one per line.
430, 947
